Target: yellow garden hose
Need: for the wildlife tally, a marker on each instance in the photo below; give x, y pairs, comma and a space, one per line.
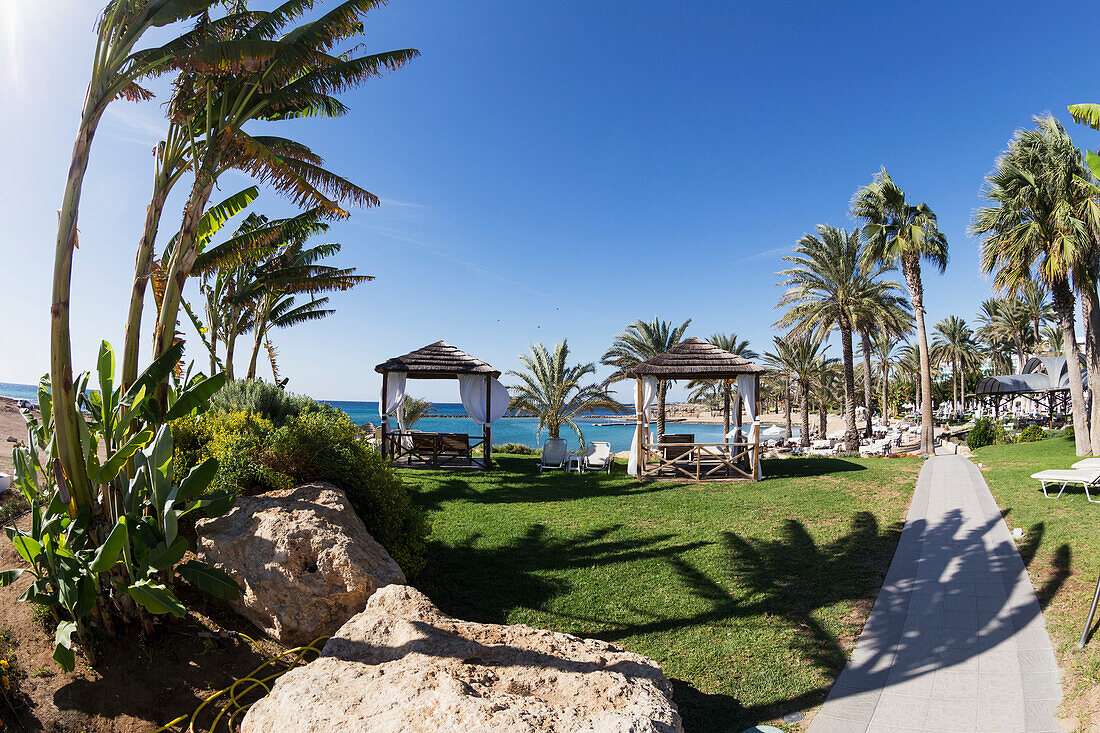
237, 698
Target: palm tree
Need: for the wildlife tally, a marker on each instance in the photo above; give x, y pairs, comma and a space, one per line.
954, 344
828, 383
800, 358
1037, 306
1005, 327
722, 393
641, 341
555, 392
1051, 339
116, 67
415, 408
824, 289
884, 350
297, 77
899, 232
909, 365
1034, 231
876, 319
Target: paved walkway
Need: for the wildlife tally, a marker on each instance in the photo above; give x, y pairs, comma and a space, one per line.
956, 640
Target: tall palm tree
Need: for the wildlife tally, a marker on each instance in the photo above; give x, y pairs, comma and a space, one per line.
954, 345
900, 232
1051, 339
116, 67
296, 78
909, 365
884, 349
722, 393
641, 341
1005, 327
876, 319
1033, 230
556, 392
826, 285
800, 358
1036, 304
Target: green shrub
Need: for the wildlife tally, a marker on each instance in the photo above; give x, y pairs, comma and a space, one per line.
265, 400
984, 433
1067, 432
254, 455
1031, 434
516, 449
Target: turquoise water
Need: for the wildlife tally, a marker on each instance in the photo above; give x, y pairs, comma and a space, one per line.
508, 430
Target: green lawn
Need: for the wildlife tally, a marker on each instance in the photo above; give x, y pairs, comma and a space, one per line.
1062, 551
748, 595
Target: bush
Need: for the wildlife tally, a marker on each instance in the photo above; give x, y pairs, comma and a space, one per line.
1067, 432
256, 455
984, 433
265, 400
1031, 434
516, 449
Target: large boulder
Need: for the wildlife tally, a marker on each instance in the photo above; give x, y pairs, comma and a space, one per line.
402, 665
303, 557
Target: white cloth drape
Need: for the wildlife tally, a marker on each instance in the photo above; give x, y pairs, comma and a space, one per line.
393, 391
471, 390
746, 385
643, 398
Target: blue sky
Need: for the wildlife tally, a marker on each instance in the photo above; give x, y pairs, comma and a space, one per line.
553, 170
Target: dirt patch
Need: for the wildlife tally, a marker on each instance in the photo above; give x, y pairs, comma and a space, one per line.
138, 684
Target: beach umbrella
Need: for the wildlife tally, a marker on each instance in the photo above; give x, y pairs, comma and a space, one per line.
773, 432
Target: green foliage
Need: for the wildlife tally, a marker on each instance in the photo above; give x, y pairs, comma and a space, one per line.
1031, 434
516, 449
256, 455
1067, 432
983, 434
265, 400
86, 558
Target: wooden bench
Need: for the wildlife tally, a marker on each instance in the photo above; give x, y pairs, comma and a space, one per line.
439, 449
679, 444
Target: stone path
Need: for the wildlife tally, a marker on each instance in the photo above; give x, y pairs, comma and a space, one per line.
956, 640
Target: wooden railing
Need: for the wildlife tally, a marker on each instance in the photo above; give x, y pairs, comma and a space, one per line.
700, 460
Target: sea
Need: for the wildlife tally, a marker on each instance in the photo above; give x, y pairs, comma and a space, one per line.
617, 430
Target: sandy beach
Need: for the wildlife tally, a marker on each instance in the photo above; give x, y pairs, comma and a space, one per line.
11, 424
835, 423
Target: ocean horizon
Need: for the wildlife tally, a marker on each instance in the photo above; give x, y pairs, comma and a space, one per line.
603, 425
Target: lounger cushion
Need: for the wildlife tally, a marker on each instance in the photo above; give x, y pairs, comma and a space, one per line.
1087, 463
1069, 476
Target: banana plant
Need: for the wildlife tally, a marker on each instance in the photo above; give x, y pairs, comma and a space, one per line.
81, 569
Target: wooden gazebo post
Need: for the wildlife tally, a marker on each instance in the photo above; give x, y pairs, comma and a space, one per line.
487, 431
756, 445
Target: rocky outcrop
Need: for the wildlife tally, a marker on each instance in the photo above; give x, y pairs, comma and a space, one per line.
402, 665
303, 557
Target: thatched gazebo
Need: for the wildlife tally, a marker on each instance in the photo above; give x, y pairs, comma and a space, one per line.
484, 398
697, 359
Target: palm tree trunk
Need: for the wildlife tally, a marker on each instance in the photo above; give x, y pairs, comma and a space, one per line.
885, 395
822, 419
1090, 307
868, 400
804, 405
851, 436
954, 386
787, 407
725, 408
662, 388
910, 266
1063, 307
179, 268
143, 264
66, 417
255, 350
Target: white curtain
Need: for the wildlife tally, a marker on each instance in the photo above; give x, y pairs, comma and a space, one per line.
643, 398
471, 390
393, 392
746, 385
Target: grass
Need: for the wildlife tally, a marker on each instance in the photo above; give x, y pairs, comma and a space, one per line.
1062, 551
749, 595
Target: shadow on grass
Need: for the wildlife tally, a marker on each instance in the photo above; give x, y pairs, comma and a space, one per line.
784, 580
517, 480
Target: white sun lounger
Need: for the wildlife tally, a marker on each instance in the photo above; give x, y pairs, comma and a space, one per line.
1085, 477
1087, 464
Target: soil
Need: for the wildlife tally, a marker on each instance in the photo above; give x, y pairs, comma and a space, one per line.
138, 684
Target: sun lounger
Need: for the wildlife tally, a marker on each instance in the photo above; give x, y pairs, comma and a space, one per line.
555, 452
1084, 477
1087, 463
597, 457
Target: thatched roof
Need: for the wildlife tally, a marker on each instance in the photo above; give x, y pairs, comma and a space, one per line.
436, 361
695, 359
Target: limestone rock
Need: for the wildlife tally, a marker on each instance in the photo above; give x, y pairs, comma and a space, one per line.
303, 557
402, 665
